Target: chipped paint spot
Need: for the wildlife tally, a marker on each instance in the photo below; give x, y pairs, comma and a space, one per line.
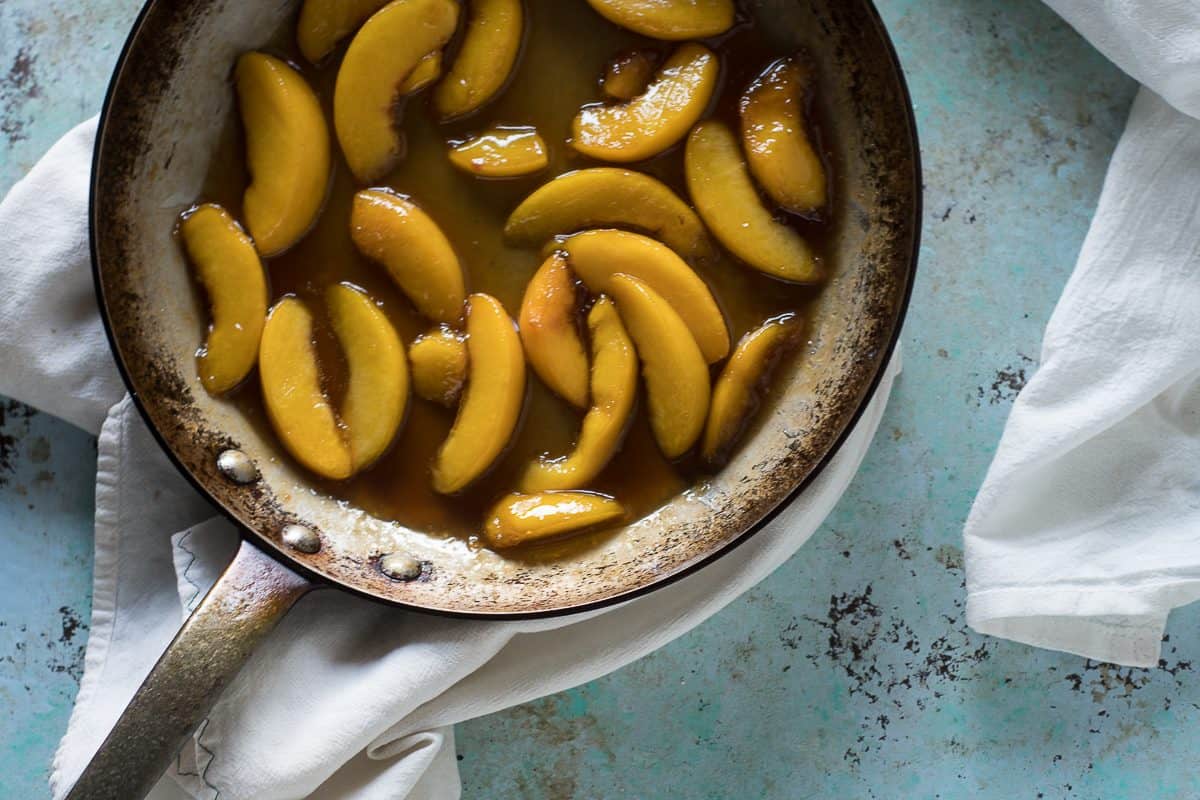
852, 623
949, 556
70, 624
17, 86
14, 426
1008, 382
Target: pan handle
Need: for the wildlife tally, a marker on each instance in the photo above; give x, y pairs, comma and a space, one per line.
245, 603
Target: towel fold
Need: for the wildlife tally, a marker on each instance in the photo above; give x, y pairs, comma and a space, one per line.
1086, 531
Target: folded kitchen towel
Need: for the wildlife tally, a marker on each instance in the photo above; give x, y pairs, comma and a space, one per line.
392, 682
1086, 532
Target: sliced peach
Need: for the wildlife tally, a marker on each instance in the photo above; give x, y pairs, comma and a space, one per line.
655, 120
550, 333
677, 382
395, 232
527, 518
439, 365
386, 49
324, 23
287, 152
595, 256
227, 266
737, 393
427, 70
727, 201
603, 197
628, 74
780, 154
491, 406
671, 20
298, 409
614, 388
377, 384
501, 153
486, 57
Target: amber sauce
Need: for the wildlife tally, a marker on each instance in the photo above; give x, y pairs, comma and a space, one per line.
566, 50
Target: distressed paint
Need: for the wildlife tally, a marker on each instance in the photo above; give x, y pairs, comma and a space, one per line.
47, 475
850, 671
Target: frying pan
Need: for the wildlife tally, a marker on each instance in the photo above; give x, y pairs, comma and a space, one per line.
162, 117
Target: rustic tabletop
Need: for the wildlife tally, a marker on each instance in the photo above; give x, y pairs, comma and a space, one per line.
850, 672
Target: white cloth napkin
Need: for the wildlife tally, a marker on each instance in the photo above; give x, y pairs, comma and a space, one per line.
1086, 532
365, 706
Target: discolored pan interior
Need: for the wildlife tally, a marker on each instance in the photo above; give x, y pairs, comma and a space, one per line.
163, 117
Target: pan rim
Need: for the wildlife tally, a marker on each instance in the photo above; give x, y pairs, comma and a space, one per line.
270, 548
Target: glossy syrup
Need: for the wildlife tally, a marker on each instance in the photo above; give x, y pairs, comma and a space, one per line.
566, 50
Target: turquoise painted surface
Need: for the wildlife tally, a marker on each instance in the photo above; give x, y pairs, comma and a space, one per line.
849, 672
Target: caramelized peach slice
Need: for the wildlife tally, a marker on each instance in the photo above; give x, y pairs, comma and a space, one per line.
655, 120
236, 284
737, 393
501, 153
324, 23
596, 256
550, 334
485, 59
677, 382
628, 74
287, 152
614, 388
377, 386
780, 154
291, 385
671, 20
727, 201
393, 231
439, 365
386, 49
427, 70
491, 405
527, 518
603, 197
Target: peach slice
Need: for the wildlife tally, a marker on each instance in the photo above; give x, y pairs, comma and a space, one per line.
727, 201
595, 256
298, 409
501, 153
427, 70
602, 197
780, 154
324, 23
491, 406
377, 386
628, 74
395, 232
227, 266
439, 365
671, 20
654, 120
614, 388
738, 392
677, 381
287, 152
550, 333
486, 57
527, 518
386, 49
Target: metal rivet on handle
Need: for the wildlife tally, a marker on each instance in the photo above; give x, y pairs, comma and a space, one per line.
237, 466
301, 538
400, 567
